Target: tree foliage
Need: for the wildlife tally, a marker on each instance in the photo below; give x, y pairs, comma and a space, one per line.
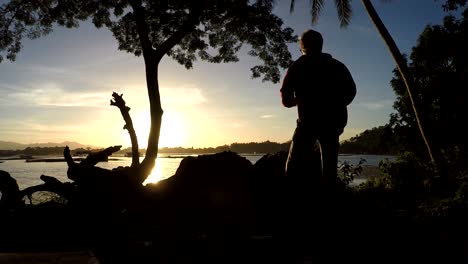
214, 30
439, 64
451, 5
377, 140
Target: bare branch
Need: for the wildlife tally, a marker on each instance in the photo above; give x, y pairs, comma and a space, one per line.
124, 110
51, 184
93, 158
68, 157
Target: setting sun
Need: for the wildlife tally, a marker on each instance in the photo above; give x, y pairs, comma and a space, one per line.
172, 129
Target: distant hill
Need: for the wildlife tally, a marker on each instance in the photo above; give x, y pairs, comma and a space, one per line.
7, 145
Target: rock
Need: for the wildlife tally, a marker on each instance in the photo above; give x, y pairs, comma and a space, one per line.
10, 195
219, 180
210, 191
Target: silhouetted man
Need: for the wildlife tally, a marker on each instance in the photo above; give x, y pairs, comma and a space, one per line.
321, 87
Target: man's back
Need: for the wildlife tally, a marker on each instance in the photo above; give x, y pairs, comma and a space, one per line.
322, 88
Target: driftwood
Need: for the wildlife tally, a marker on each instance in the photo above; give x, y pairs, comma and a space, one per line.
88, 180
124, 110
92, 159
51, 184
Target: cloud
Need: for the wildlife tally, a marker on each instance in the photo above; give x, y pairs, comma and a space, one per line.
29, 130
182, 96
52, 94
47, 70
376, 105
237, 125
267, 116
363, 30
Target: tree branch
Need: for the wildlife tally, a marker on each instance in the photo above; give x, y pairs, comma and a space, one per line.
51, 184
177, 36
143, 30
68, 157
124, 110
93, 158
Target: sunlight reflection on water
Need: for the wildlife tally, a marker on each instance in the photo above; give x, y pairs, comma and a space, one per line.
166, 166
157, 173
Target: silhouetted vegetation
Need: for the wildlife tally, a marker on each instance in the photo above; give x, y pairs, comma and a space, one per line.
378, 140
252, 147
439, 64
40, 151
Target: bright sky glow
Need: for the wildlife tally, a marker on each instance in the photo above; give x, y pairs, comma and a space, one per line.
59, 87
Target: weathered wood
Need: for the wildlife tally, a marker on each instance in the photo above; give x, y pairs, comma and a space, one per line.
51, 184
68, 157
124, 110
94, 158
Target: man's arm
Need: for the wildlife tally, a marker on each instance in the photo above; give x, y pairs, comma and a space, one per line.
287, 90
348, 86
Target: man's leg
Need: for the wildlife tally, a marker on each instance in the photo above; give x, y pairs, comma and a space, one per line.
299, 165
301, 178
329, 145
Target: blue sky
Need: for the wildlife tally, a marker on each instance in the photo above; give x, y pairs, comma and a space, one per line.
59, 87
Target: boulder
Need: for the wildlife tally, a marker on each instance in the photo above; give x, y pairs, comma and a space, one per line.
10, 194
212, 191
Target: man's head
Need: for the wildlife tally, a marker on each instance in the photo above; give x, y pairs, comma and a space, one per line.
311, 42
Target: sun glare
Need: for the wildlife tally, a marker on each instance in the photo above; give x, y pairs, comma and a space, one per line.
156, 174
172, 129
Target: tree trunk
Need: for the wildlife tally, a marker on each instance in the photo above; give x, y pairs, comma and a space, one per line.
152, 59
152, 56
402, 67
156, 119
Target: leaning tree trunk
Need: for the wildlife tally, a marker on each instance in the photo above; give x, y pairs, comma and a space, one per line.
156, 113
152, 56
402, 68
152, 59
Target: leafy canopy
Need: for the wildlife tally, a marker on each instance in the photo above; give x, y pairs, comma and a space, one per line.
439, 65
213, 30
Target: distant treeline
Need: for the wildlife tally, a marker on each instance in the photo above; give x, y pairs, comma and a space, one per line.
252, 147
378, 140
39, 151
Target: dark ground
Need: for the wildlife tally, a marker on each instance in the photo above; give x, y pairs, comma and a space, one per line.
249, 215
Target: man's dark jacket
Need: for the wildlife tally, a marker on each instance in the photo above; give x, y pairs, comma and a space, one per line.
321, 87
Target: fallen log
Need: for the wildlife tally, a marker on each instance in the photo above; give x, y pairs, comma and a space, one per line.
51, 184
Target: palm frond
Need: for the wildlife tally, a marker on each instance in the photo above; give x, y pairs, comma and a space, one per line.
343, 7
291, 7
316, 9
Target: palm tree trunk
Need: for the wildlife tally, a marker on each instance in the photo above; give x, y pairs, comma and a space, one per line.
402, 67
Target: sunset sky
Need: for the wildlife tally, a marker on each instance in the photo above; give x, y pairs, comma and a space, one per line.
59, 87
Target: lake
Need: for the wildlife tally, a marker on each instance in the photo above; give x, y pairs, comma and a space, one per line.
28, 173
